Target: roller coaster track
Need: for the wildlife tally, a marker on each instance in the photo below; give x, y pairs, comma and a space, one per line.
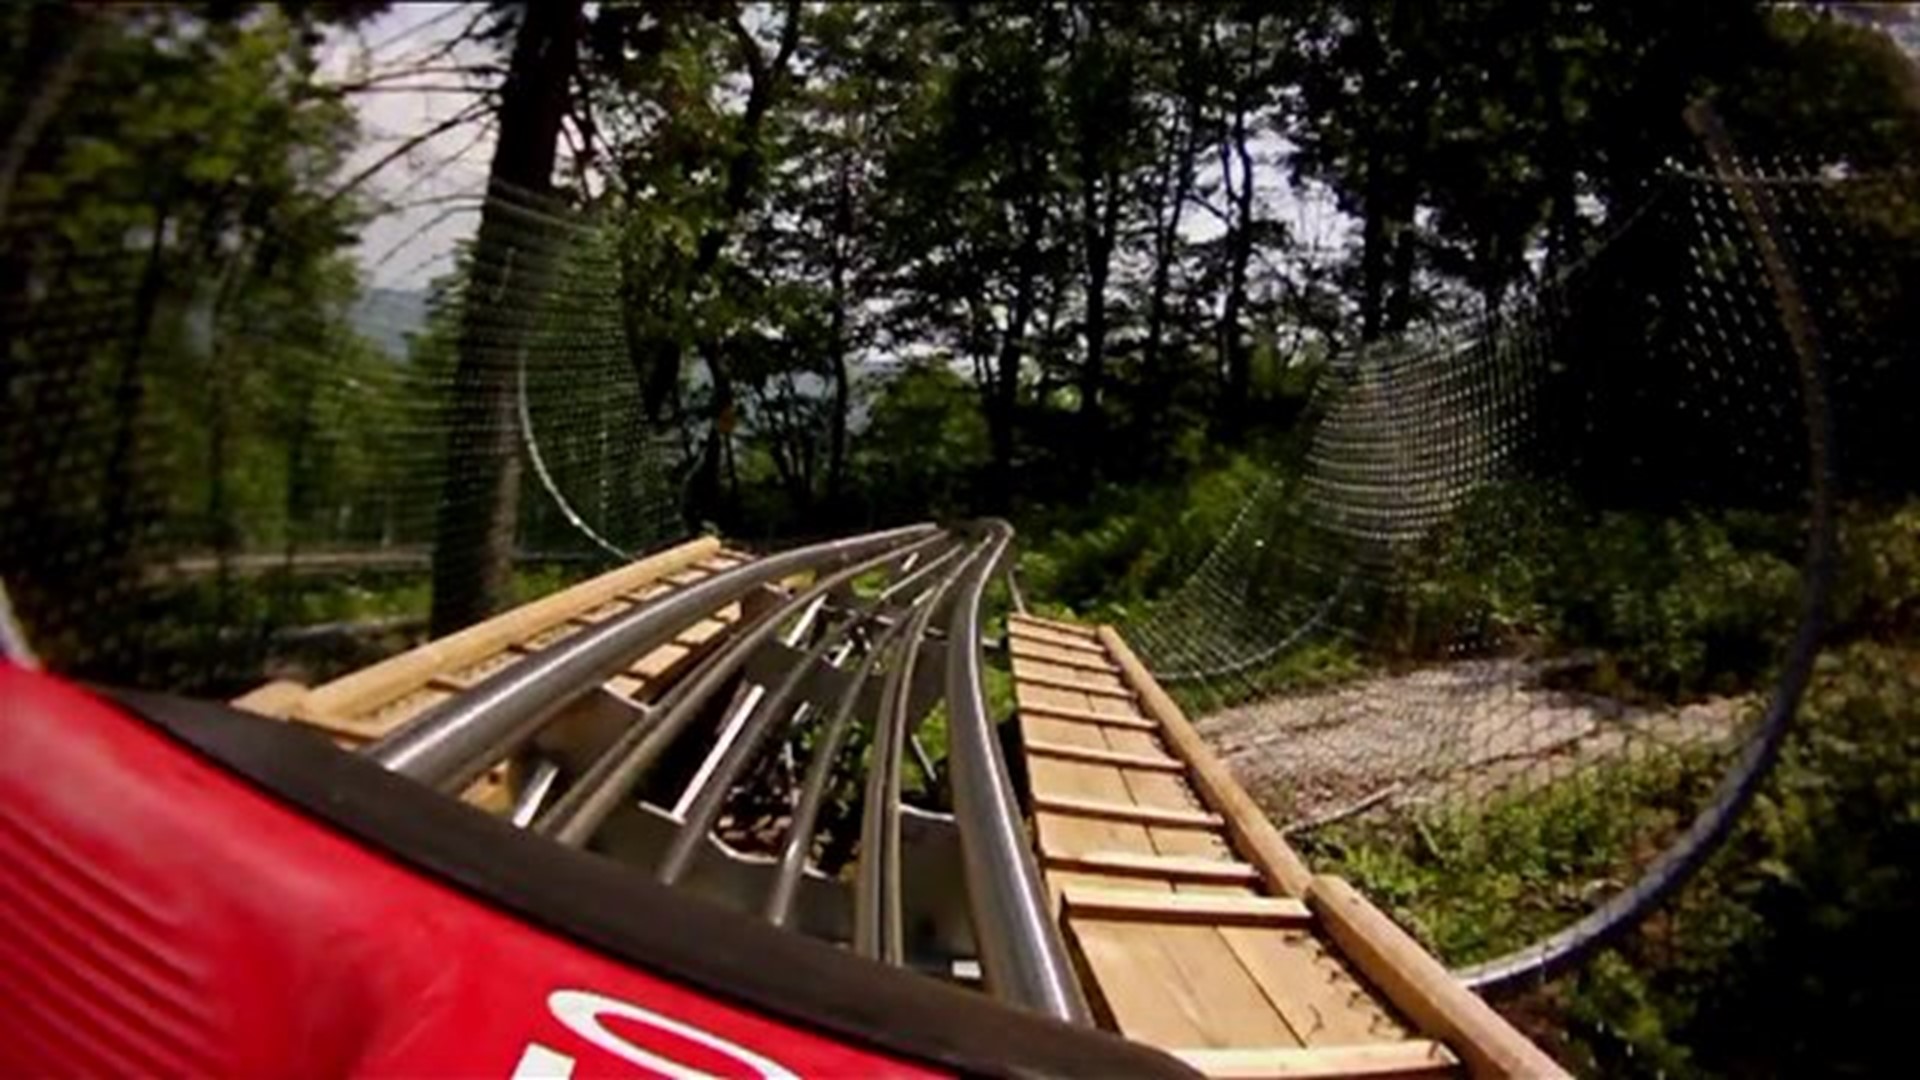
1095, 863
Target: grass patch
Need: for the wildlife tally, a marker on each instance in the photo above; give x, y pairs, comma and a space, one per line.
1475, 881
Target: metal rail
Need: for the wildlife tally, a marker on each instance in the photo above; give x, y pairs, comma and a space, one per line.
1022, 956
940, 576
574, 818
703, 805
798, 847
453, 743
876, 899
13, 641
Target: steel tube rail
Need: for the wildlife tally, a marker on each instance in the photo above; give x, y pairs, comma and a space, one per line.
876, 895
813, 789
746, 700
13, 640
581, 810
1022, 957
1018, 598
539, 785
703, 803
452, 743
706, 794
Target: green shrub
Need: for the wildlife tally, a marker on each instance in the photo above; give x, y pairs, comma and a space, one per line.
1789, 956
1131, 544
1678, 606
1479, 879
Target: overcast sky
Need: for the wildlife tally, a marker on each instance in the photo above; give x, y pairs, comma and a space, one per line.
435, 188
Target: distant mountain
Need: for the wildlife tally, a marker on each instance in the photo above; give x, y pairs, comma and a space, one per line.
387, 317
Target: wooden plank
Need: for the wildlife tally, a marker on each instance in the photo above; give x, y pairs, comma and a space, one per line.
1126, 811
595, 615
347, 733
1176, 983
1116, 758
391, 714
551, 636
1167, 789
707, 629
657, 664
1022, 649
276, 699
1225, 938
1158, 867
1254, 835
1211, 909
1073, 833
1084, 716
1059, 642
500, 661
1320, 998
394, 678
1081, 679
1172, 985
1079, 686
1070, 629
1405, 1060
1414, 981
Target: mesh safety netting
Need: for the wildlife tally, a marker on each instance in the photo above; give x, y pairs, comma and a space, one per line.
1552, 569
214, 472
1545, 568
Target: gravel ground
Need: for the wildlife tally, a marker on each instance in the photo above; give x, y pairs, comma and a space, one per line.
1454, 730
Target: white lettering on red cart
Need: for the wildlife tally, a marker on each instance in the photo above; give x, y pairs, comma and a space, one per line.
585, 1014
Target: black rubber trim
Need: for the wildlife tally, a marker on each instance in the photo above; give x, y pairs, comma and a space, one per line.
623, 915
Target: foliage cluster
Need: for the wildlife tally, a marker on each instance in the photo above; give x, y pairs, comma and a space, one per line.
1783, 958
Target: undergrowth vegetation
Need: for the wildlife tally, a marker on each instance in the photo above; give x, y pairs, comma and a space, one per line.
1785, 955
1788, 955
1476, 882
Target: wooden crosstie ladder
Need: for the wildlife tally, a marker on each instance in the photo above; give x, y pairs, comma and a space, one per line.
1195, 927
1189, 922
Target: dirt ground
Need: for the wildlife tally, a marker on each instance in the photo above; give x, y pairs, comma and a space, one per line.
1455, 730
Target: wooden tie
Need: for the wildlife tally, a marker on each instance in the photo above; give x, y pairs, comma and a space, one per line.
1198, 929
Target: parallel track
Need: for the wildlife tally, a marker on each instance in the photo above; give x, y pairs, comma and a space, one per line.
1143, 891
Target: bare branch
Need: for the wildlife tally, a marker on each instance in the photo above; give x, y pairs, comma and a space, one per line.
407, 146
425, 88
411, 71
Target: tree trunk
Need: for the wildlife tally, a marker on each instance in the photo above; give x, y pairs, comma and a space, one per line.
473, 545
1004, 395
743, 178
1376, 237
837, 371
842, 380
1399, 313
59, 37
1155, 378
129, 397
1373, 250
1099, 226
704, 491
1233, 341
1102, 222
1562, 167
